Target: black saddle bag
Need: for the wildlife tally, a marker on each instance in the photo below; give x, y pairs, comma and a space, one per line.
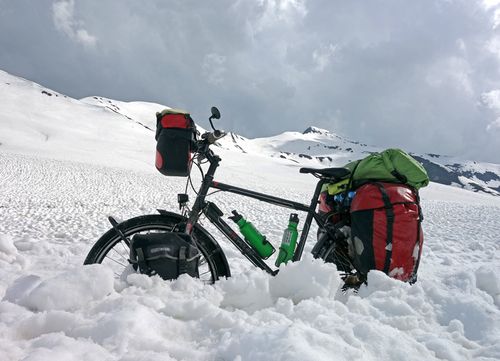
166, 254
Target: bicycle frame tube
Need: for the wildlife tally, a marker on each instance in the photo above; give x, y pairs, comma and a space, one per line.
305, 230
261, 197
215, 215
283, 203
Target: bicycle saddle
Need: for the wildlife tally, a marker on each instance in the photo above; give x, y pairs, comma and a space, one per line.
327, 172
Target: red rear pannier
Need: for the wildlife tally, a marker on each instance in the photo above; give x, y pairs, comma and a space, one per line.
175, 136
386, 230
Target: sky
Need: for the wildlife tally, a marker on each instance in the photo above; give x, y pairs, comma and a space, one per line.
420, 75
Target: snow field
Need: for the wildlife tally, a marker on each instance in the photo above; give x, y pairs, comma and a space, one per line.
54, 308
67, 164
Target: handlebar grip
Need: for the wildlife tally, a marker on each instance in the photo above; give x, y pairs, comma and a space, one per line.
215, 136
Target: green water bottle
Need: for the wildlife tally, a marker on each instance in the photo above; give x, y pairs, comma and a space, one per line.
253, 236
289, 241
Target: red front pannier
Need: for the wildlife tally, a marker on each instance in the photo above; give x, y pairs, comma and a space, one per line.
386, 230
175, 136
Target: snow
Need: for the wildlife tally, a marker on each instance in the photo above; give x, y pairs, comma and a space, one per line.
55, 196
79, 286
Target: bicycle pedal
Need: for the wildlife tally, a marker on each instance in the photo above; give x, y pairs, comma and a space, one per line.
352, 281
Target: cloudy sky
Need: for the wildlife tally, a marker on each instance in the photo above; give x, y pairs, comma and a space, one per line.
422, 75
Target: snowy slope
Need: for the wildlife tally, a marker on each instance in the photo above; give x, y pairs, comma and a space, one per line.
317, 147
52, 209
39, 121
141, 112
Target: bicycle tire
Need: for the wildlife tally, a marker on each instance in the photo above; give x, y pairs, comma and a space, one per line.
338, 256
212, 256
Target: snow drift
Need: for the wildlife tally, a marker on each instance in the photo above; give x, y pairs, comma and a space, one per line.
56, 192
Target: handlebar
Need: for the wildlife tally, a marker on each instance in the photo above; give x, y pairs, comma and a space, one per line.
207, 139
211, 137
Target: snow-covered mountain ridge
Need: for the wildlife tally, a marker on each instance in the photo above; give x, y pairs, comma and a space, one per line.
41, 121
317, 147
66, 164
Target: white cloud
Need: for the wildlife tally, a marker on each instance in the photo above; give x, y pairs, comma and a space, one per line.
213, 68
64, 20
381, 72
488, 4
453, 71
491, 100
323, 56
277, 12
494, 7
494, 125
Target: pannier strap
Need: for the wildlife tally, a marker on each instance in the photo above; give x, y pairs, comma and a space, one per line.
389, 211
182, 260
141, 261
419, 229
399, 176
390, 167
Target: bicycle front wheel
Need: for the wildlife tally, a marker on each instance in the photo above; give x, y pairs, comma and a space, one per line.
112, 251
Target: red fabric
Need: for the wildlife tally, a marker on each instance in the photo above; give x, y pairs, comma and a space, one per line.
175, 121
336, 217
404, 240
159, 160
369, 196
379, 237
323, 205
404, 231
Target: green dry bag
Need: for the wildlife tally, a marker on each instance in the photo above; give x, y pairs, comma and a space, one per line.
391, 165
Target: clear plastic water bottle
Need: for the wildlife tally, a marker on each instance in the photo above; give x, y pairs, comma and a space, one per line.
339, 198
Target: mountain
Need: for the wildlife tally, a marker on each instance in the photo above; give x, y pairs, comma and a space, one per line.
39, 121
53, 123
66, 164
317, 147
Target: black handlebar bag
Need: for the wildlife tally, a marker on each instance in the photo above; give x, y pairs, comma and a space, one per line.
175, 137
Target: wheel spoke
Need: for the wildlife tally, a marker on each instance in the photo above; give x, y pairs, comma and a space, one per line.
118, 255
114, 260
126, 249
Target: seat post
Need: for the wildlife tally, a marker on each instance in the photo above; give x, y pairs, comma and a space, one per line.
305, 230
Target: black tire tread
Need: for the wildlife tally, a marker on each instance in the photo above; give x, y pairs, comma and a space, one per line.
207, 244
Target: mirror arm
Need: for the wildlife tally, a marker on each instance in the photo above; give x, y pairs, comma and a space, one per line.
211, 124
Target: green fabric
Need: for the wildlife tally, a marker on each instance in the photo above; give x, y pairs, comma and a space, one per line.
391, 165
336, 188
324, 187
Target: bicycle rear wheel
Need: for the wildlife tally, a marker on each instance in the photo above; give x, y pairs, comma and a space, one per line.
112, 251
333, 248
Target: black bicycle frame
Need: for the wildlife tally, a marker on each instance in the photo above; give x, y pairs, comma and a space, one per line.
214, 214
